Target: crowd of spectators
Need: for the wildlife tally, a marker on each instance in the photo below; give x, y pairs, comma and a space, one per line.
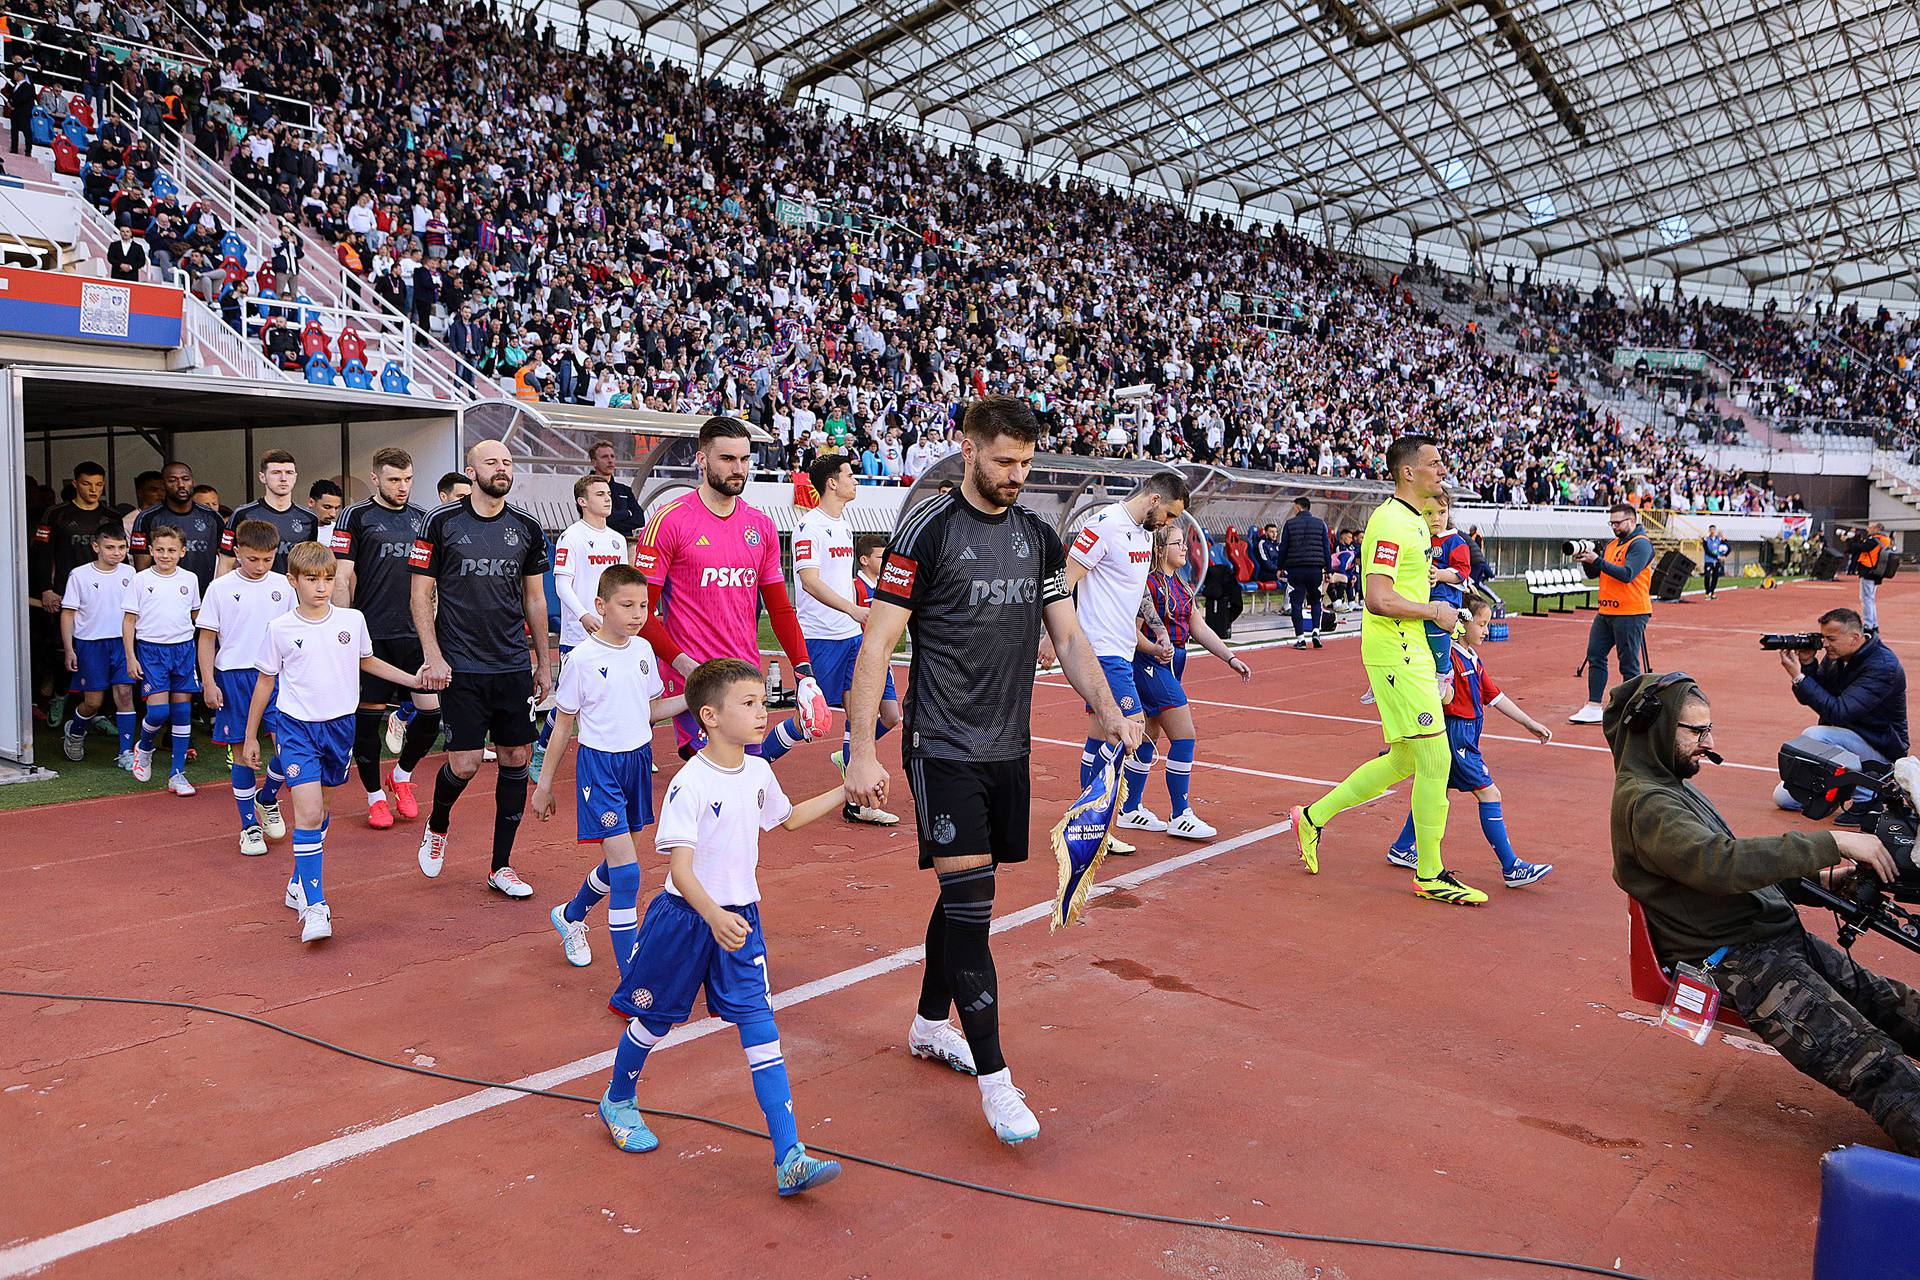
607, 229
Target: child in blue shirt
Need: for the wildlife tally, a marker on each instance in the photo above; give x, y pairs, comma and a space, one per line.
1452, 567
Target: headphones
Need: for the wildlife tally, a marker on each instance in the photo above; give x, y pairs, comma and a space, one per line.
1645, 707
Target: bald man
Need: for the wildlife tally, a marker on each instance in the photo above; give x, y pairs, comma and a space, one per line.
477, 593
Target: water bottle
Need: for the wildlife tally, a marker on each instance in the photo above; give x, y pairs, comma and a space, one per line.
773, 680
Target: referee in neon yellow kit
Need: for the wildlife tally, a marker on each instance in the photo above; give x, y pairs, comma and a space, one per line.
1395, 563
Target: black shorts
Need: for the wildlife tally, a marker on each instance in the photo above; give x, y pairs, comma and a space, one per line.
969, 807
482, 705
404, 653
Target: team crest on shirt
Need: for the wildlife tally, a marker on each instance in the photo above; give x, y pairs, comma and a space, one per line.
1425, 719
943, 830
1126, 702
643, 999
760, 798
1021, 548
512, 537
183, 588
753, 536
346, 637
276, 597
608, 819
293, 771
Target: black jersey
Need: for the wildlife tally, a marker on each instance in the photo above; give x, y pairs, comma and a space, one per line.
479, 565
203, 528
977, 584
62, 542
378, 540
296, 525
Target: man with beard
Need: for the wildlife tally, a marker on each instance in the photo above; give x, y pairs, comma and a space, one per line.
200, 526
477, 593
711, 559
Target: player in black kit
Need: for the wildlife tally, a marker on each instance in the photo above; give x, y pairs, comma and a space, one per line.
373, 543
483, 559
276, 506
976, 578
200, 526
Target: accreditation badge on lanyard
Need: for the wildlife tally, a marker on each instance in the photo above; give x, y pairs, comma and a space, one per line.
1694, 1000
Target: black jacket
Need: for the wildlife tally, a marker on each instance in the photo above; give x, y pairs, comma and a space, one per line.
1306, 544
1866, 693
627, 516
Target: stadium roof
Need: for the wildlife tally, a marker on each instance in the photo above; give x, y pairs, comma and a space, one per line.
1732, 144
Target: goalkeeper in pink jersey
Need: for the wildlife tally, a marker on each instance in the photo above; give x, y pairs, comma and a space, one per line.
711, 559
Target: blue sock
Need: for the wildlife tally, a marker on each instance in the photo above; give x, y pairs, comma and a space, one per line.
80, 726
636, 1042
1133, 777
182, 716
270, 789
1493, 825
128, 722
1179, 775
546, 729
592, 890
761, 1040
623, 915
1404, 841
783, 738
407, 711
149, 727
308, 848
243, 794
1089, 761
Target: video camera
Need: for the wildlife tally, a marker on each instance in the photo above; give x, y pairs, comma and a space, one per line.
1577, 547
1796, 640
1820, 777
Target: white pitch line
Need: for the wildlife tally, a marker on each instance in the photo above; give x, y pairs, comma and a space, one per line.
24, 1258
1229, 768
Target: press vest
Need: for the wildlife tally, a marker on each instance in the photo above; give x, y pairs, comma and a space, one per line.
1620, 597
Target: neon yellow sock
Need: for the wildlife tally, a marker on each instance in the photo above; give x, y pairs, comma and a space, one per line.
1369, 780
1432, 759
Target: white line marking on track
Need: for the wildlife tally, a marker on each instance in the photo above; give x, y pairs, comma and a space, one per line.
24, 1258
1229, 768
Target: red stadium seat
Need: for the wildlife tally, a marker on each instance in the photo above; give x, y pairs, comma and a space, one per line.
313, 340
1652, 982
352, 345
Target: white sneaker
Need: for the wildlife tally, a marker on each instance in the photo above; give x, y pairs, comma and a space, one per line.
1141, 819
1006, 1108
124, 760
573, 938
1118, 847
253, 842
395, 733
1407, 858
1589, 714
271, 823
940, 1042
179, 785
296, 895
868, 814
1367, 698
489, 755
506, 880
433, 852
142, 765
1189, 827
73, 748
316, 922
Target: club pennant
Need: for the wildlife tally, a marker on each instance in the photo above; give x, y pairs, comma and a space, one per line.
1080, 839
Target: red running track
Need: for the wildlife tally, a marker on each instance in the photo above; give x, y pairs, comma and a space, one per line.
1228, 1039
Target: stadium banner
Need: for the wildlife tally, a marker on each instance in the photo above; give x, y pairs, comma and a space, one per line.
1660, 358
69, 308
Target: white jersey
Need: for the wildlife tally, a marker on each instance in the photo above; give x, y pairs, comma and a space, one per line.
580, 556
706, 809
164, 604
1116, 553
609, 688
237, 611
97, 597
824, 543
317, 664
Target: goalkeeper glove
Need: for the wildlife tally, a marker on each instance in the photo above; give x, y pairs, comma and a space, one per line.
810, 703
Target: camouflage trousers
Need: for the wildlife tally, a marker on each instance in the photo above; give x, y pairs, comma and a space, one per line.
1847, 1027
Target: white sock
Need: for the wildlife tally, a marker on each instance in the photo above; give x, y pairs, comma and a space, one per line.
1004, 1076
402, 775
376, 796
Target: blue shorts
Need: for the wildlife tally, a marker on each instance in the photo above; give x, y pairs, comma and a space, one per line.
236, 692
167, 668
1159, 685
103, 664
310, 752
833, 668
1469, 769
1126, 694
614, 791
676, 955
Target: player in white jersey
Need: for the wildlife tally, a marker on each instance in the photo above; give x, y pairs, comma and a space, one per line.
234, 620
1107, 568
96, 654
830, 617
157, 633
580, 555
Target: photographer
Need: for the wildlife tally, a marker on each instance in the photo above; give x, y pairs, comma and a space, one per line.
1870, 555
1707, 893
1859, 691
1624, 570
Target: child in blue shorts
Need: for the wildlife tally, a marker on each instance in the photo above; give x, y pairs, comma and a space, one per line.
704, 929
90, 632
1473, 692
157, 635
611, 689
1452, 566
310, 667
233, 635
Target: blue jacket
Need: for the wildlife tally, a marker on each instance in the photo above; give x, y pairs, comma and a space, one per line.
1714, 548
1305, 543
1866, 693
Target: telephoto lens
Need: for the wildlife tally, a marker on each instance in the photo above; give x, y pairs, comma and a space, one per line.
1576, 547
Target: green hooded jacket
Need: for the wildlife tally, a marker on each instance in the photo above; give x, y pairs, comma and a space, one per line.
1702, 887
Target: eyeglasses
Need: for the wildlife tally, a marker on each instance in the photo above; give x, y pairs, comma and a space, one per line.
1698, 730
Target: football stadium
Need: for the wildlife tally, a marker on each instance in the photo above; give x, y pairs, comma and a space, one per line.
1307, 597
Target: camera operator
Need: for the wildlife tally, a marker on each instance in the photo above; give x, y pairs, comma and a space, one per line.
1707, 893
1624, 570
1870, 555
1859, 691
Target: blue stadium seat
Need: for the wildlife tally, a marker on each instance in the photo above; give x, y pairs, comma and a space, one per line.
41, 127
354, 374
74, 132
394, 380
320, 371
232, 246
164, 187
